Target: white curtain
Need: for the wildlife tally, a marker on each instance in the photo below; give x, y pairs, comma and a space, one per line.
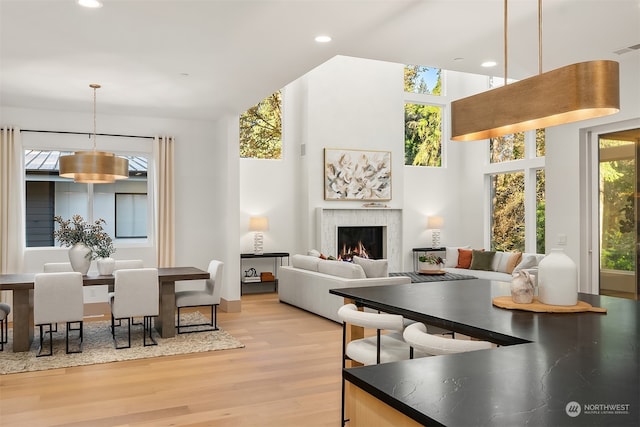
12, 240
164, 173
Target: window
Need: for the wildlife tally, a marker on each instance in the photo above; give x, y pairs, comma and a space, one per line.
261, 129
422, 135
47, 195
517, 192
422, 117
421, 79
131, 215
507, 212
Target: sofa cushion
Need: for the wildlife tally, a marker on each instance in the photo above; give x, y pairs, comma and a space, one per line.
346, 270
373, 267
464, 258
482, 260
305, 262
451, 255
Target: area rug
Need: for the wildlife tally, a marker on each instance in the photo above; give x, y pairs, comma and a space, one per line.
419, 278
98, 346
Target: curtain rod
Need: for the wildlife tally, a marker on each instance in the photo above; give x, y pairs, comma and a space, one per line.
86, 133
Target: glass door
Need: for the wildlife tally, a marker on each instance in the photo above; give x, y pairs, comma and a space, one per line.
618, 213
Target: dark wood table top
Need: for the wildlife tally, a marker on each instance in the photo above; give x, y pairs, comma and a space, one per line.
547, 361
165, 274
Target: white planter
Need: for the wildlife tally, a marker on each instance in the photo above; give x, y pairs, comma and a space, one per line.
557, 279
106, 266
425, 266
79, 256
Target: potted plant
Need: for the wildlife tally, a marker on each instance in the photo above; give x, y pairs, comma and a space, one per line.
86, 241
430, 262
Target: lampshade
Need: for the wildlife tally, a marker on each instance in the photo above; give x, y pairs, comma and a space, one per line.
575, 92
435, 222
258, 223
565, 95
94, 167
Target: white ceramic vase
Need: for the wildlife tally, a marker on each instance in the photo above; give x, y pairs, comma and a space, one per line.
106, 266
557, 279
79, 256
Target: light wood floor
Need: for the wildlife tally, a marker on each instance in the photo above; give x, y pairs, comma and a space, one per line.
287, 375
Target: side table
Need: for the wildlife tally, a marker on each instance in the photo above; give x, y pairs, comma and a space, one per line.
257, 285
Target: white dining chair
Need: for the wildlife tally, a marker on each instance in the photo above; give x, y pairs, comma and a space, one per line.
57, 267
207, 296
58, 298
434, 345
135, 294
5, 309
370, 350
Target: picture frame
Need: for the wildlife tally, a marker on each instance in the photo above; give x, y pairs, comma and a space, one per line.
361, 175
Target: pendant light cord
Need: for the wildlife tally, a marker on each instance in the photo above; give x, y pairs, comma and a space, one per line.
505, 41
539, 36
95, 87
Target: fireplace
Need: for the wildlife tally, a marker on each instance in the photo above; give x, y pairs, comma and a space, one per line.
363, 241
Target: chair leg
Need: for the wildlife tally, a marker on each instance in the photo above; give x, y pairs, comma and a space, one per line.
148, 326
80, 336
115, 341
2, 322
50, 332
213, 323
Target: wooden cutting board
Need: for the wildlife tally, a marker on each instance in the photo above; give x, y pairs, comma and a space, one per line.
537, 306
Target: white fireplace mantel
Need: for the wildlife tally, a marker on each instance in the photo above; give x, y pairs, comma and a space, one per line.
328, 221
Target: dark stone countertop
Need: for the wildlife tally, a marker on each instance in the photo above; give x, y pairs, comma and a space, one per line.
546, 360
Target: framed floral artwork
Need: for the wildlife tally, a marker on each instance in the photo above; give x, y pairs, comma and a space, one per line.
357, 175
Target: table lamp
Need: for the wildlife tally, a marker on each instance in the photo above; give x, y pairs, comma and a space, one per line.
434, 223
258, 224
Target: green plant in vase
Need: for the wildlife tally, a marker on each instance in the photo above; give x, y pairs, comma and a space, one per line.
430, 262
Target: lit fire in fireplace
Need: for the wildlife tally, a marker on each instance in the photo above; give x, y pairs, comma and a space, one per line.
347, 253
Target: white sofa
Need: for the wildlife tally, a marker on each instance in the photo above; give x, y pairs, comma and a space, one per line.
502, 267
307, 281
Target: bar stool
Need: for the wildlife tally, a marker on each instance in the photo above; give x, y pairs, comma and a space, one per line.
5, 309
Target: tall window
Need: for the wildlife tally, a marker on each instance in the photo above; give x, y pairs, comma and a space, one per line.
517, 191
261, 129
48, 195
422, 117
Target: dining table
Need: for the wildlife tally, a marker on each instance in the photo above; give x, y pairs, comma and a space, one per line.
21, 285
548, 368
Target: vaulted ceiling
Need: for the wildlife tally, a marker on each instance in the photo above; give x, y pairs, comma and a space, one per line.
200, 59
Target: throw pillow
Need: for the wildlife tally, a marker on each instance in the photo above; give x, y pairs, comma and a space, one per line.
513, 261
481, 260
313, 252
373, 267
528, 261
505, 262
464, 258
451, 255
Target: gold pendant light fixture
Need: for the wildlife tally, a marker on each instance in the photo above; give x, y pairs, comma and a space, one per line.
572, 93
94, 167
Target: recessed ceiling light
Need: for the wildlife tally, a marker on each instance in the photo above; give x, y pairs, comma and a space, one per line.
90, 3
323, 39
488, 64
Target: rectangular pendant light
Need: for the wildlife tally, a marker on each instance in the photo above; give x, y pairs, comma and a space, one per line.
575, 92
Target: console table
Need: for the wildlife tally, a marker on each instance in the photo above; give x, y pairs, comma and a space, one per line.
257, 286
551, 369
